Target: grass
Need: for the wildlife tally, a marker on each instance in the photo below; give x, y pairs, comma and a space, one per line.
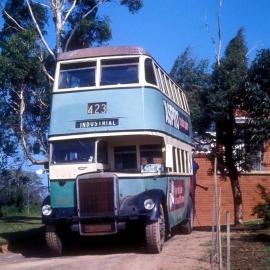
254, 222
15, 225
250, 248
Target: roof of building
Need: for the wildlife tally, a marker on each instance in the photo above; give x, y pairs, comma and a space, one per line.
102, 51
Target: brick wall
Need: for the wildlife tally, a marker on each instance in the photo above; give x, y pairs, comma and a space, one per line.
204, 193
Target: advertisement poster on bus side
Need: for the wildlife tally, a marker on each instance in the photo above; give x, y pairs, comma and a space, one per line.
176, 194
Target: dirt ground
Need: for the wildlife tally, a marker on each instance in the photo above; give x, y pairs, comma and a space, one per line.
180, 252
250, 249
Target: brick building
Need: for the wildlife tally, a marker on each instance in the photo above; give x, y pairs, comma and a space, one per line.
248, 183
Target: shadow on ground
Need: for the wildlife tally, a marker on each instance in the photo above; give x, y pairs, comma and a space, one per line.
21, 219
31, 243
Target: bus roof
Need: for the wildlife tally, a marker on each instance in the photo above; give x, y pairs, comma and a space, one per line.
102, 51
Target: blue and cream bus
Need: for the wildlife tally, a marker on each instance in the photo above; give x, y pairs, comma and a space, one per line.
120, 147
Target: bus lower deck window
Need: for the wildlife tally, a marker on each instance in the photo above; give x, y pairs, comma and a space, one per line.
125, 158
151, 155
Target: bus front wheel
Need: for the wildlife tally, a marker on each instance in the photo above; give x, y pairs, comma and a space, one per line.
155, 233
53, 241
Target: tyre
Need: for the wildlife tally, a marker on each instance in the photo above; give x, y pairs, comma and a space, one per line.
187, 226
155, 233
53, 241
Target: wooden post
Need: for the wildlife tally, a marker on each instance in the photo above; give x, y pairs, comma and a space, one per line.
228, 222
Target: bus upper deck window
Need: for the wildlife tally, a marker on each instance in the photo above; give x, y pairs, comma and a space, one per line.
149, 72
77, 75
119, 71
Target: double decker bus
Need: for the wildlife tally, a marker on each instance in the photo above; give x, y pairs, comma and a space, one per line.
120, 148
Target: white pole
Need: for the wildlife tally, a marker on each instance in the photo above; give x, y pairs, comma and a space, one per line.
228, 221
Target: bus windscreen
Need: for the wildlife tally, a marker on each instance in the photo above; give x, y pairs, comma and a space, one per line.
73, 151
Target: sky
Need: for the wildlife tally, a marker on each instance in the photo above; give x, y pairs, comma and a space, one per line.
166, 28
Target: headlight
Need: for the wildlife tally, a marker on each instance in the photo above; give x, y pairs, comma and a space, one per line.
46, 210
149, 204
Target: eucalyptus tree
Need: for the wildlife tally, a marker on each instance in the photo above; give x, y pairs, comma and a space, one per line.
257, 97
193, 76
27, 60
228, 79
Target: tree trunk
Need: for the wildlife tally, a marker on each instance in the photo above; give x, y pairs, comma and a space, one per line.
237, 199
234, 176
226, 137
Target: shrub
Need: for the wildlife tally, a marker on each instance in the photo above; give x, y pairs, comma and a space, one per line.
262, 210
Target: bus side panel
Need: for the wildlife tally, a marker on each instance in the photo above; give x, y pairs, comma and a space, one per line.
139, 109
178, 199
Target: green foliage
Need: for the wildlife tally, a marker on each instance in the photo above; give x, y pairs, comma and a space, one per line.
228, 80
92, 30
17, 9
193, 77
133, 5
257, 97
19, 188
12, 211
21, 69
262, 210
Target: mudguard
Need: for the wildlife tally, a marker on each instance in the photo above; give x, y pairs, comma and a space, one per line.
134, 205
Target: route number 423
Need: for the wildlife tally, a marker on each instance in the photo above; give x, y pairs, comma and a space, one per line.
97, 108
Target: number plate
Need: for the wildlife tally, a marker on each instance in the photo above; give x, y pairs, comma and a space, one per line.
97, 108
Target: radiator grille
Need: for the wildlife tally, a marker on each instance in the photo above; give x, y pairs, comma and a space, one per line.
96, 196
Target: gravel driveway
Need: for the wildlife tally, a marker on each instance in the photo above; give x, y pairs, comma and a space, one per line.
185, 252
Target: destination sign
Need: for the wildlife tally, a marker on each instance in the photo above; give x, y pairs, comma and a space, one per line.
97, 123
175, 118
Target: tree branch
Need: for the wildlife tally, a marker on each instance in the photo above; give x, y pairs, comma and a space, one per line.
42, 4
49, 76
12, 19
39, 31
69, 12
22, 131
219, 33
78, 23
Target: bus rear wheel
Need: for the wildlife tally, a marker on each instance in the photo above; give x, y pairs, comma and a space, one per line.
187, 226
155, 233
53, 241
